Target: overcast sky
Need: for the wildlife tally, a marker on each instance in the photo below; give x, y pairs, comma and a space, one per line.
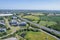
30, 4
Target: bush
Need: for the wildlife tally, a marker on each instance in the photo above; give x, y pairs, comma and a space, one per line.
8, 28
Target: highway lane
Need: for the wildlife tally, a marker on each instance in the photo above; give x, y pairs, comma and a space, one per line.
42, 27
50, 30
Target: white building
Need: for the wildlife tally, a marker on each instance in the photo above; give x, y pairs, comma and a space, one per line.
14, 22
6, 14
2, 29
2, 22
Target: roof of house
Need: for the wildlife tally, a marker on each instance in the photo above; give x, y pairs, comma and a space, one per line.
13, 22
6, 14
14, 17
3, 29
22, 24
12, 38
2, 22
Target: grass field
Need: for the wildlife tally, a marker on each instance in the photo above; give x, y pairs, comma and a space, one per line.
50, 18
55, 19
30, 17
51, 21
38, 36
48, 23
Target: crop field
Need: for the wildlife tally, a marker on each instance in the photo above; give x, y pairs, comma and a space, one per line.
54, 21
38, 36
49, 21
50, 18
30, 17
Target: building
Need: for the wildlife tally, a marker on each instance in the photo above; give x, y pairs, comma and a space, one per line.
6, 14
13, 22
2, 22
2, 29
57, 14
14, 17
50, 14
22, 24
12, 38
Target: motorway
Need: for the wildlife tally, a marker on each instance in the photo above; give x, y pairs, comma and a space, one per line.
42, 27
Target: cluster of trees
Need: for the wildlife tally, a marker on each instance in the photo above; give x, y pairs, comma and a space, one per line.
55, 19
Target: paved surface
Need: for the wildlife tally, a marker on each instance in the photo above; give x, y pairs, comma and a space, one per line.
12, 38
13, 31
51, 30
6, 14
42, 27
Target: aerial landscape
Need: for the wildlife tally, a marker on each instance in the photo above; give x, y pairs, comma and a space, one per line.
29, 20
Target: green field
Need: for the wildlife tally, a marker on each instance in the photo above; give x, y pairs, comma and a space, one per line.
30, 17
48, 21
38, 36
53, 20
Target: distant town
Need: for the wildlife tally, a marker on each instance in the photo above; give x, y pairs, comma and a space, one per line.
29, 25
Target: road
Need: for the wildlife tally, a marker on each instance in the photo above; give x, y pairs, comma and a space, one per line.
13, 29
42, 27
8, 26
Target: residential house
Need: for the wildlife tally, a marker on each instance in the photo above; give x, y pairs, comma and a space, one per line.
2, 29
2, 22
14, 17
13, 22
22, 24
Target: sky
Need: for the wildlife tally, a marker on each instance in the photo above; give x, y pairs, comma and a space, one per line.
30, 4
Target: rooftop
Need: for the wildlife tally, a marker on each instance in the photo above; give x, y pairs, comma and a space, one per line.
6, 14
12, 38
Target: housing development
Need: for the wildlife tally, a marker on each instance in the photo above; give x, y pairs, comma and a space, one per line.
29, 25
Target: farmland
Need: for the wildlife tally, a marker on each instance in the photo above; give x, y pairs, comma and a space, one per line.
38, 36
48, 21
